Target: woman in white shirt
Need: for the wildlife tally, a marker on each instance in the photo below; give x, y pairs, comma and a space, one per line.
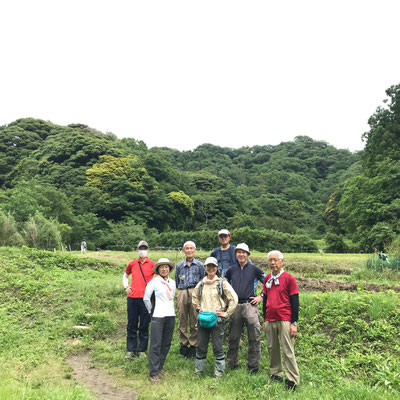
163, 319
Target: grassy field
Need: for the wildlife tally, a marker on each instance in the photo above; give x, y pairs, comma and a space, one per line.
347, 347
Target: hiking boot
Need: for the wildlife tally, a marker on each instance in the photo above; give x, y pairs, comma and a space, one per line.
252, 371
155, 379
183, 351
142, 354
129, 355
276, 378
290, 385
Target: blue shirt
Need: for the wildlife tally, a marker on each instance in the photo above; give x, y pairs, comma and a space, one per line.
188, 277
225, 258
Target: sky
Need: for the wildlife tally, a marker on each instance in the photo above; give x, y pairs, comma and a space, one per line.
183, 73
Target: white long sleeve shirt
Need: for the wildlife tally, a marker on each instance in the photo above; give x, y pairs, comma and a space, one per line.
164, 306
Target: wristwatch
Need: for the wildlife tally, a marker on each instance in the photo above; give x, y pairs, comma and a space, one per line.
294, 323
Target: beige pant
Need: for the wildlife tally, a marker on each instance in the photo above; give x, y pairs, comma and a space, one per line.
279, 332
187, 317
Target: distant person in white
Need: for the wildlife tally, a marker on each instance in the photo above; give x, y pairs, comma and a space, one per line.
163, 319
83, 246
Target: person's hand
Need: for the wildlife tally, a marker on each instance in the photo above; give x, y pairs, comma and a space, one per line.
221, 313
255, 300
293, 330
128, 290
264, 325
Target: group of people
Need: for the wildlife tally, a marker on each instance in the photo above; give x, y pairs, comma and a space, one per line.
208, 296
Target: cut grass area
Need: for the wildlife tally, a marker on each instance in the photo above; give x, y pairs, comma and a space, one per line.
347, 347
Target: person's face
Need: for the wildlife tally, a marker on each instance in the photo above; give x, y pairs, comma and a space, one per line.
143, 251
211, 269
189, 250
275, 263
242, 256
163, 270
224, 239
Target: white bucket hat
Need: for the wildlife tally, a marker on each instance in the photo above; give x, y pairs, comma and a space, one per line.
163, 261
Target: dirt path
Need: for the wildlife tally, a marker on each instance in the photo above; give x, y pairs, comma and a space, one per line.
97, 380
324, 285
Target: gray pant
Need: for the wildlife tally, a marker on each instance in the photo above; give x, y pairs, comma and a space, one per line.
217, 340
244, 314
162, 330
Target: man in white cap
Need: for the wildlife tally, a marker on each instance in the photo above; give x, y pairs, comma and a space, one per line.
141, 270
242, 276
225, 254
188, 274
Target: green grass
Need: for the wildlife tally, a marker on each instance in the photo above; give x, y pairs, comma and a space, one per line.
347, 346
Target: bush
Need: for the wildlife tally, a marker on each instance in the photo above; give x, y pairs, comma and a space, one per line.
9, 235
335, 243
257, 239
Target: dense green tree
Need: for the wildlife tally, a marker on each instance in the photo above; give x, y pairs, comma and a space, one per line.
88, 182
369, 204
383, 138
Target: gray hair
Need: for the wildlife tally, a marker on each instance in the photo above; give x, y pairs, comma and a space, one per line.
280, 255
189, 242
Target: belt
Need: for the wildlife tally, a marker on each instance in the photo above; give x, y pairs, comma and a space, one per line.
244, 301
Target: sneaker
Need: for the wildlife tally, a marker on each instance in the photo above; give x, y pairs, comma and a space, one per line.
290, 385
129, 355
142, 354
155, 379
276, 378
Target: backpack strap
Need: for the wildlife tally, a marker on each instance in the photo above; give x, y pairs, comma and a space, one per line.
201, 289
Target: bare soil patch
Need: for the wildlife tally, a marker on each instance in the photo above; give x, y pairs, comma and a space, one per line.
97, 380
325, 285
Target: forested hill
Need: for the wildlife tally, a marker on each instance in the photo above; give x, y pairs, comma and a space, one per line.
91, 182
74, 182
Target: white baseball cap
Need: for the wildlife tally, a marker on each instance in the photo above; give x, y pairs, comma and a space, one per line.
224, 232
242, 246
211, 260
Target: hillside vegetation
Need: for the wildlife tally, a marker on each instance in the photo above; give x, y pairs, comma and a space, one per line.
347, 347
62, 184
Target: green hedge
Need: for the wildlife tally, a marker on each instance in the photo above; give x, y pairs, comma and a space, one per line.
257, 239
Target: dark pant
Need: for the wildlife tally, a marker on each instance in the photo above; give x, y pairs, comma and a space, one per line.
217, 339
138, 319
162, 330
